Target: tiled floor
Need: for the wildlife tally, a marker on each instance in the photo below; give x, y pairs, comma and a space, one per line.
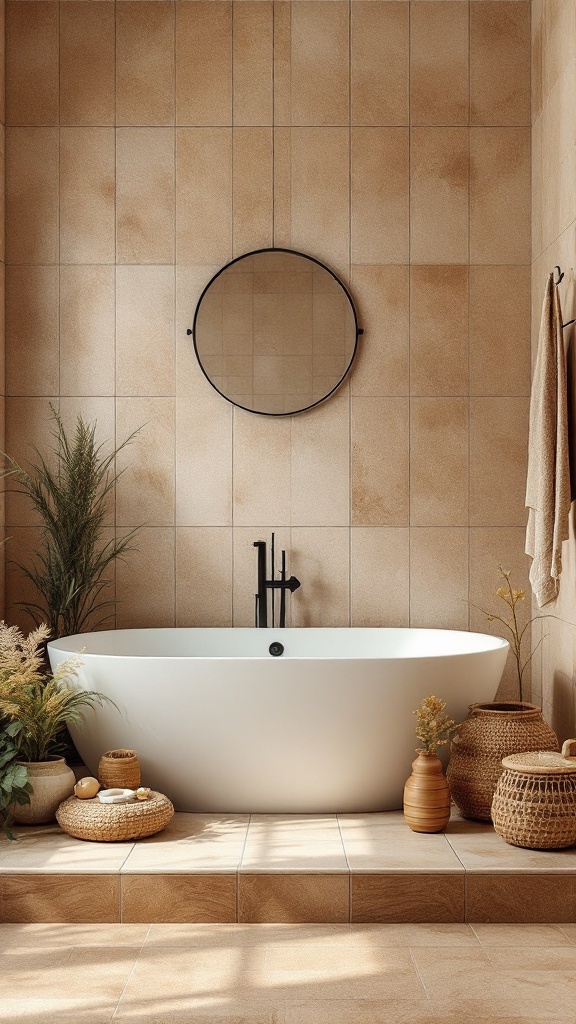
365, 868
288, 974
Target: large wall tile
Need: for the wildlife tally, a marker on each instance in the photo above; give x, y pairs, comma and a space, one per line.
252, 59
499, 331
262, 449
87, 330
439, 62
382, 364
152, 558
204, 62
498, 456
22, 546
145, 331
439, 462
203, 576
439, 195
319, 194
252, 196
439, 577
32, 63
32, 195
32, 331
29, 425
145, 490
499, 62
203, 453
500, 195
190, 283
145, 195
87, 47
380, 459
203, 193
490, 547
379, 62
320, 473
380, 195
439, 330
319, 89
320, 558
379, 576
87, 179
145, 63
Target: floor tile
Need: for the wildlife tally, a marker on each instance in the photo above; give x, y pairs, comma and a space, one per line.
54, 935
542, 935
399, 852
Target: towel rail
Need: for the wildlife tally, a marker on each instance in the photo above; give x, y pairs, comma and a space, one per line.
560, 276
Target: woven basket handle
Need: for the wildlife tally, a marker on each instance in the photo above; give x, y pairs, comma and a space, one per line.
569, 748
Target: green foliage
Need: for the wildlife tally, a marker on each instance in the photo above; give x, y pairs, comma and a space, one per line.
34, 708
14, 785
70, 492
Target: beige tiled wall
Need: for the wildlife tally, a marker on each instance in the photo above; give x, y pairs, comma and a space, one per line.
149, 143
554, 242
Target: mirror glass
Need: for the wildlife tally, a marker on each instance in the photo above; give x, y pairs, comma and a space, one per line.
275, 332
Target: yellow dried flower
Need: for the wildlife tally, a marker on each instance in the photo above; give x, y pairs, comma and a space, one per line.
434, 727
515, 634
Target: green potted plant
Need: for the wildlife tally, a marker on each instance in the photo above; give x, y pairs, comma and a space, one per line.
34, 708
70, 492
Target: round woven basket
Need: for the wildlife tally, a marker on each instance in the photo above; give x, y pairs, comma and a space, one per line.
119, 769
534, 804
109, 823
492, 731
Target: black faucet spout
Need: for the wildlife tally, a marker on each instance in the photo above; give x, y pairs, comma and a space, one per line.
264, 585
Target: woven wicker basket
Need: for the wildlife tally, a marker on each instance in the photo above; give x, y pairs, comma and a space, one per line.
491, 732
109, 823
119, 769
534, 804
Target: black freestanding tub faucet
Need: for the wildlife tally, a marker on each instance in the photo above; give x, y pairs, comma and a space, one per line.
264, 585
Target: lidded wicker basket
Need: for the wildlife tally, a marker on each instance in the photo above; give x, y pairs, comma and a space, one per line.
119, 769
534, 804
492, 731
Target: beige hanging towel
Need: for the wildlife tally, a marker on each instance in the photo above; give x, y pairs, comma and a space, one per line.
548, 483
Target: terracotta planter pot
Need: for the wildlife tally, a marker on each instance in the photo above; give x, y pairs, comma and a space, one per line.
427, 795
491, 732
52, 782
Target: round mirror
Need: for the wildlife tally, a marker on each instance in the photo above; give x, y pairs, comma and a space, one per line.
275, 332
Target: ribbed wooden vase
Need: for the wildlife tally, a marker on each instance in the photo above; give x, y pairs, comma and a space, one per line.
427, 795
491, 732
119, 769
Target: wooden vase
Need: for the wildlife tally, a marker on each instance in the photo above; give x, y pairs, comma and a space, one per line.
427, 795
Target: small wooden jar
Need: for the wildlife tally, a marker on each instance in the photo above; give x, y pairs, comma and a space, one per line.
119, 769
534, 805
427, 795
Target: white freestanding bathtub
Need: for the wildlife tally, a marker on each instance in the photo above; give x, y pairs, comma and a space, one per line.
219, 724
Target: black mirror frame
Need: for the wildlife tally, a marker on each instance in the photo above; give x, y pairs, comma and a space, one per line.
312, 259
